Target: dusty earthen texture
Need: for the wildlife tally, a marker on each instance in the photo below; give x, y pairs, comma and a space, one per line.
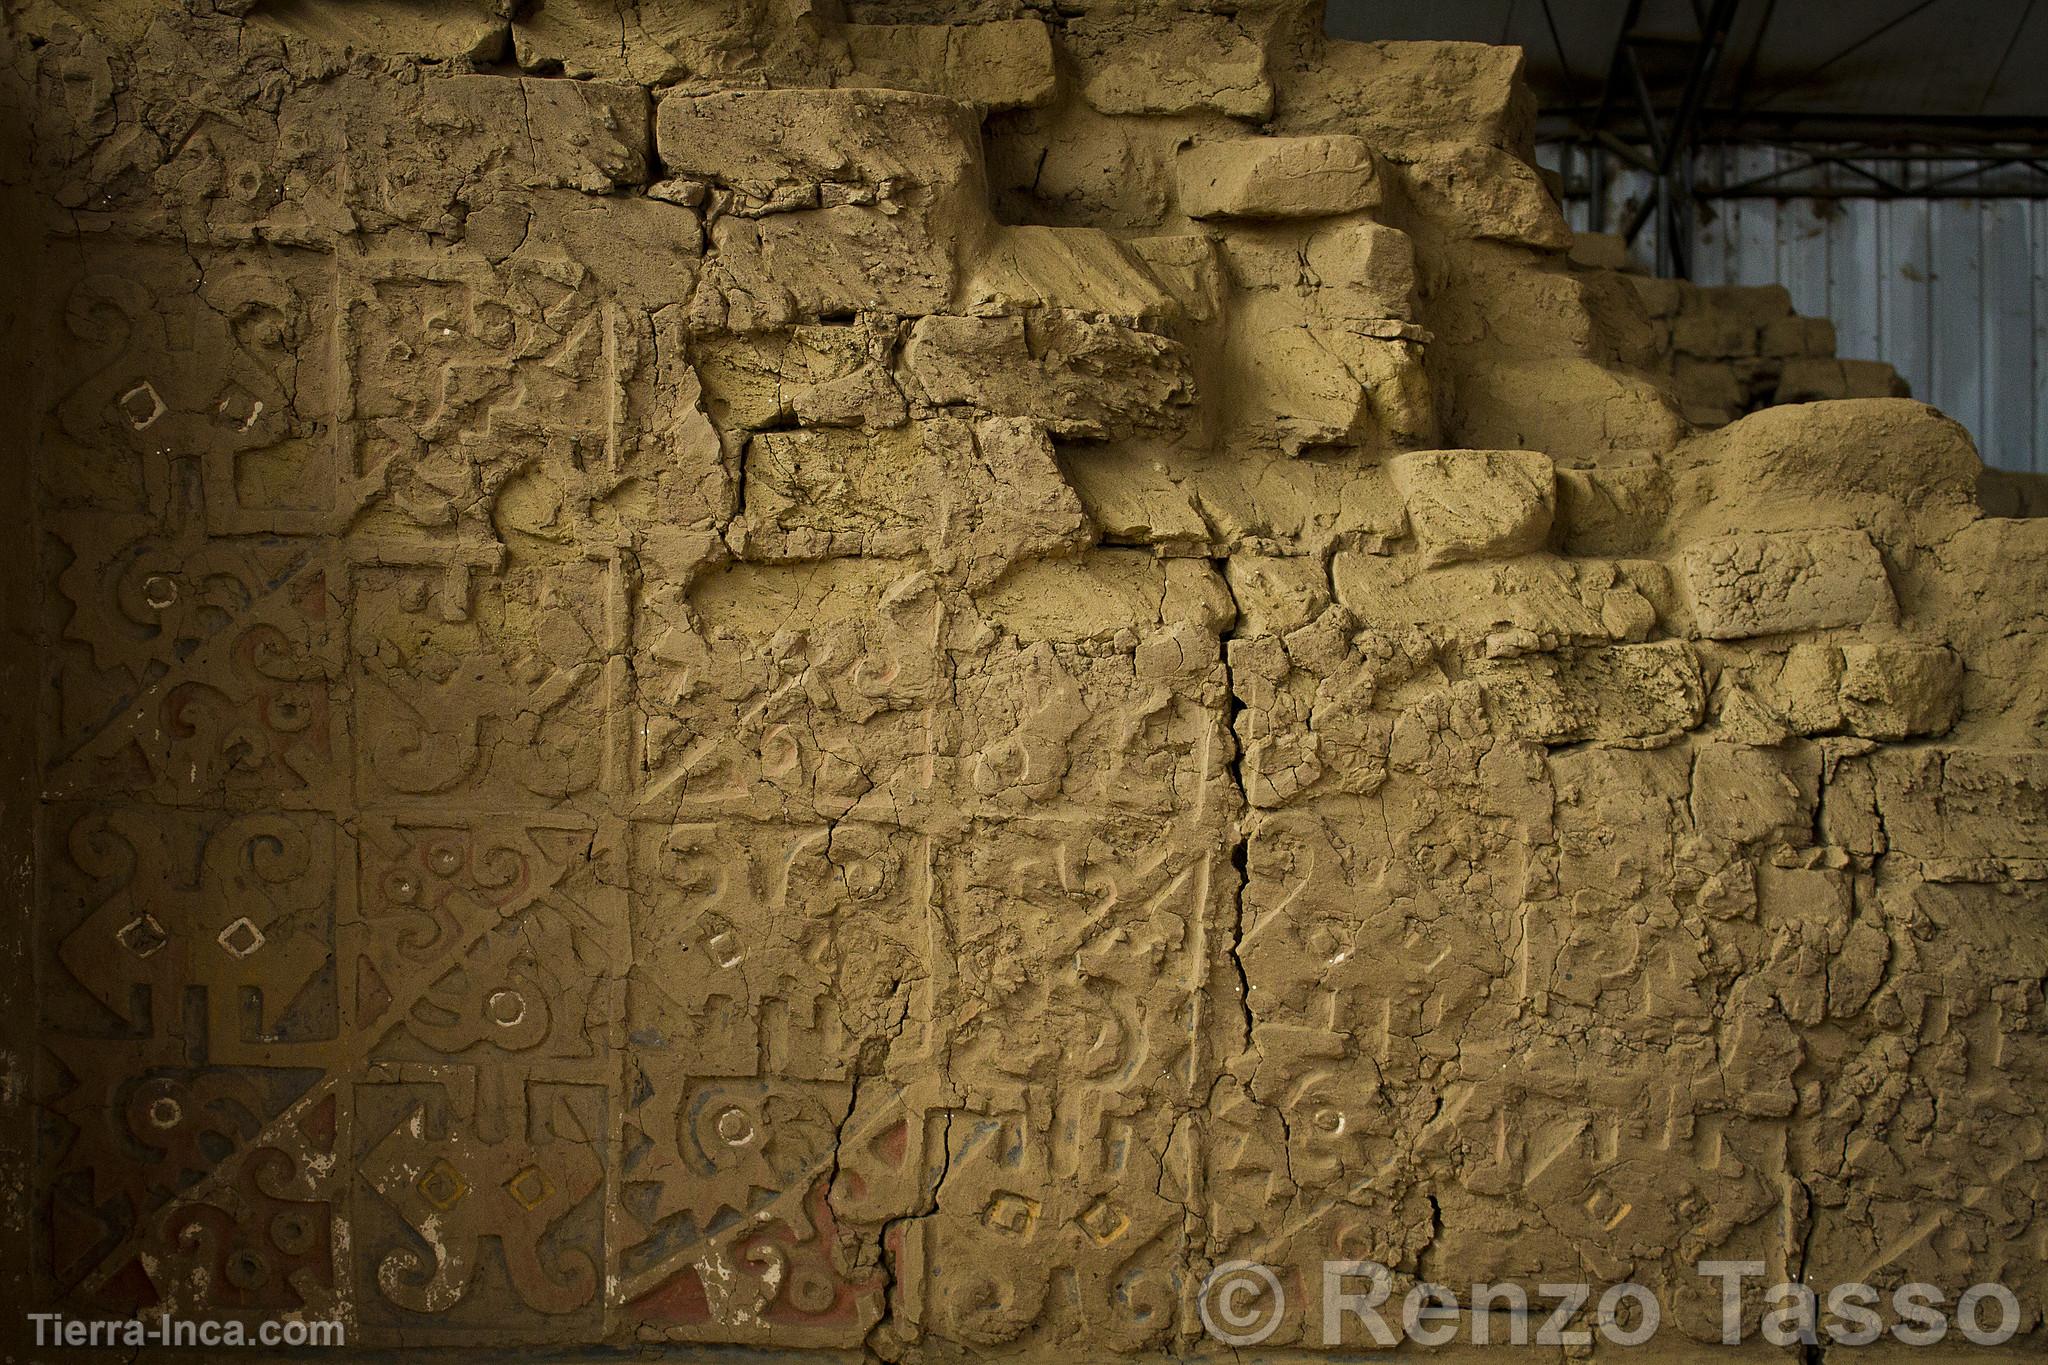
1728, 349
725, 673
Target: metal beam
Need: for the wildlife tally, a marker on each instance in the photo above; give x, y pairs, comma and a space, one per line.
1968, 172
1668, 127
1777, 126
1659, 105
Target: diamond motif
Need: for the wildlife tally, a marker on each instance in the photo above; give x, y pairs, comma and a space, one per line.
142, 935
1103, 1222
530, 1187
442, 1185
241, 938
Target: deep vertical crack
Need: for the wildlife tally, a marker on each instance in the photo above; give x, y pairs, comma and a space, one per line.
1240, 842
887, 1262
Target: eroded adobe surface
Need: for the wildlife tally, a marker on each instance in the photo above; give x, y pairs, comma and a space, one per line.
724, 673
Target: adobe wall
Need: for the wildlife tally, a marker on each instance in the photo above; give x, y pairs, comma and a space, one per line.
883, 683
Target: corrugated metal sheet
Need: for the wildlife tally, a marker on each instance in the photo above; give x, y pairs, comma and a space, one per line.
1952, 292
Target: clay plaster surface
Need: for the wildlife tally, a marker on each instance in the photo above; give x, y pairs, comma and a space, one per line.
877, 682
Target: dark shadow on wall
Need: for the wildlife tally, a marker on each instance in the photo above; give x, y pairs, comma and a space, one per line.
2010, 493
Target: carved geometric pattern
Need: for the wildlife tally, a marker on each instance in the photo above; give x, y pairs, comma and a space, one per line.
781, 683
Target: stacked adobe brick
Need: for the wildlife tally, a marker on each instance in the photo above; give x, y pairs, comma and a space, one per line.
884, 682
1731, 349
